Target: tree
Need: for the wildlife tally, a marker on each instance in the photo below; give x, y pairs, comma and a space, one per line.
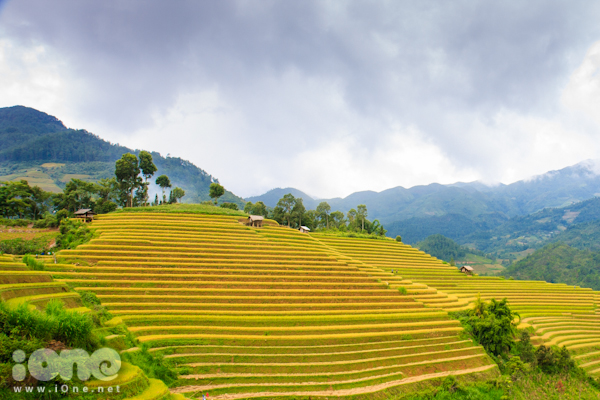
127, 171
177, 193
259, 209
148, 169
164, 182
337, 218
215, 191
286, 205
361, 212
76, 194
248, 207
323, 210
298, 211
351, 218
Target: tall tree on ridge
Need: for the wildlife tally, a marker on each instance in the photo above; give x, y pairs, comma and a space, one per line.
164, 182
127, 171
361, 212
148, 169
323, 210
215, 191
287, 203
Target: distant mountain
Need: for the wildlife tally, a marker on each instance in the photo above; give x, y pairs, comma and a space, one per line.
39, 148
462, 209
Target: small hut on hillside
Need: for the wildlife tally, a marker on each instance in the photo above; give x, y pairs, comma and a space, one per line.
304, 229
85, 214
466, 269
255, 221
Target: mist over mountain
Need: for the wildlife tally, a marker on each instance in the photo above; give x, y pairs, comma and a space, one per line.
464, 208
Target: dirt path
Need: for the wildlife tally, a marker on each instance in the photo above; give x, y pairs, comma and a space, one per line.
343, 392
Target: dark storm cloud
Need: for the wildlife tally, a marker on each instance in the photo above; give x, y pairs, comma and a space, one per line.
437, 66
452, 54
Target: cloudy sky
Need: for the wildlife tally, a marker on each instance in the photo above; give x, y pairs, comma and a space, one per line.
330, 97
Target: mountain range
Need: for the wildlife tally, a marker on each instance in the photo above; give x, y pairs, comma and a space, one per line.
420, 211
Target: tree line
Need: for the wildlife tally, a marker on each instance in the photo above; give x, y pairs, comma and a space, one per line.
290, 211
128, 188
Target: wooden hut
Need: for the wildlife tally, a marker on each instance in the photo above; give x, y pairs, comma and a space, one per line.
255, 221
85, 213
466, 269
304, 229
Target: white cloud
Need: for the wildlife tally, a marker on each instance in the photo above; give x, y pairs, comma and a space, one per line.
582, 93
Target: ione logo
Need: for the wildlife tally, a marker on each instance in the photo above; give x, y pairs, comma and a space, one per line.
45, 364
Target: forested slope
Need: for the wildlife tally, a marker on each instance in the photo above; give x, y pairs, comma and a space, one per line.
39, 148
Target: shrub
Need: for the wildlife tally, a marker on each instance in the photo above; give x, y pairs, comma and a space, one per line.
32, 263
72, 234
231, 206
402, 290
91, 301
492, 325
57, 323
20, 246
14, 222
154, 366
398, 238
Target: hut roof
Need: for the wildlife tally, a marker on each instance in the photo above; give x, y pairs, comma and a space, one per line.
467, 268
306, 228
83, 211
256, 218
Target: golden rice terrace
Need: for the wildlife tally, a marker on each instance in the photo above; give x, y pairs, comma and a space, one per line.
271, 312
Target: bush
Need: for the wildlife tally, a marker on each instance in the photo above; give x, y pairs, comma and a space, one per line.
399, 239
231, 206
491, 325
20, 246
91, 301
73, 233
57, 323
32, 263
153, 366
14, 222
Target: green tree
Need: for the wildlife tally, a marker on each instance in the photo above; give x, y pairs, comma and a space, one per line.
259, 209
177, 193
164, 183
323, 210
127, 171
298, 211
361, 213
248, 207
148, 169
351, 218
215, 191
337, 218
76, 194
286, 205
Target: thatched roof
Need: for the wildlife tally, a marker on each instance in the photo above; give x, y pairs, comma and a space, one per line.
83, 211
466, 268
256, 218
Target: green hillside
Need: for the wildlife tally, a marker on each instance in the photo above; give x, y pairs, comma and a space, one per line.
559, 262
38, 148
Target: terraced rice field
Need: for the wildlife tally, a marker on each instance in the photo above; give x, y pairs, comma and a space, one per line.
560, 314
18, 284
268, 312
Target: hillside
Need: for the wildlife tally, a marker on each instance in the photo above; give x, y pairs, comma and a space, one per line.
38, 147
558, 262
274, 312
